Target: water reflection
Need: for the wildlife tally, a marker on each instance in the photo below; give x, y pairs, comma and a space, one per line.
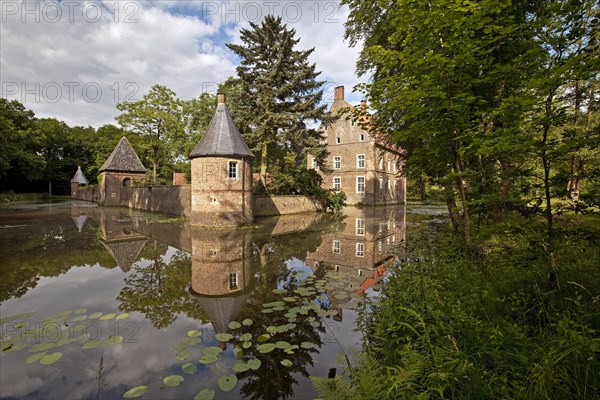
176, 277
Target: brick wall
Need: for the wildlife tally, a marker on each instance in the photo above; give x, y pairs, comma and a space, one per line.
86, 193
174, 200
282, 205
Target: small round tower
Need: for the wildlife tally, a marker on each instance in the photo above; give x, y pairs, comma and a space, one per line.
221, 174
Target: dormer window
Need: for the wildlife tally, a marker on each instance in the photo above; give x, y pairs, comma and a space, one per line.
232, 170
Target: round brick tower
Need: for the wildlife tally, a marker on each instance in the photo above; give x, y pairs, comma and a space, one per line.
221, 174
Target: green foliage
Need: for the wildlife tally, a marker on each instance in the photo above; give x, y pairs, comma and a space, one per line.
280, 95
485, 325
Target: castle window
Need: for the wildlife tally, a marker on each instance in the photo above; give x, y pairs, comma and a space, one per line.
338, 140
337, 183
232, 170
360, 161
337, 246
360, 226
233, 281
361, 137
380, 182
381, 163
389, 165
315, 165
126, 182
360, 184
395, 167
389, 184
360, 272
337, 162
337, 268
360, 249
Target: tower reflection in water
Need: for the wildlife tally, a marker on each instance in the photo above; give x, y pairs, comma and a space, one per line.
222, 278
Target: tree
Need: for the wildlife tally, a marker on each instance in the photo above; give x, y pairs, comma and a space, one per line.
158, 122
281, 94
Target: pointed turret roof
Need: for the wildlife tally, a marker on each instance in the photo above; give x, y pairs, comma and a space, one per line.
125, 254
222, 138
80, 177
123, 158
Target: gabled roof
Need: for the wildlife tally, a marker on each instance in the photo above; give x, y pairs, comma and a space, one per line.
80, 177
123, 158
222, 137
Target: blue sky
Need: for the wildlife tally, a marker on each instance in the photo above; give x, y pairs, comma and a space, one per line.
76, 59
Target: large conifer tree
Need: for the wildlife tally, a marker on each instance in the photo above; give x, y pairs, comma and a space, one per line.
281, 94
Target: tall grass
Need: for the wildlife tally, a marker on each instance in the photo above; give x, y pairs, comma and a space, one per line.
486, 326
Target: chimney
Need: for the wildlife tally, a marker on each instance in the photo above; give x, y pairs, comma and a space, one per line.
338, 93
220, 98
363, 105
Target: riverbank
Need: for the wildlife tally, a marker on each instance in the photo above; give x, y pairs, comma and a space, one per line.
496, 323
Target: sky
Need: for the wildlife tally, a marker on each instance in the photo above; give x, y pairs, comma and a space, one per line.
75, 60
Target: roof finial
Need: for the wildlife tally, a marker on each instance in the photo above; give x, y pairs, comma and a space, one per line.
220, 98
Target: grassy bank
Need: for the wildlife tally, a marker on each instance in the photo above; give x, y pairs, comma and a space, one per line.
490, 325
11, 197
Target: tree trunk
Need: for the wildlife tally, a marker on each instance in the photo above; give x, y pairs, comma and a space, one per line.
154, 168
49, 187
506, 182
452, 208
464, 202
263, 165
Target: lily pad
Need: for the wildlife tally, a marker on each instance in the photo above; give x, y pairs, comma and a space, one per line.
194, 333
182, 355
16, 317
208, 359
263, 338
224, 337
290, 299
266, 347
79, 318
189, 368
282, 345
254, 363
234, 325
247, 322
135, 392
80, 311
227, 382
286, 363
205, 394
247, 345
92, 344
122, 316
212, 351
108, 316
35, 357
307, 345
49, 359
240, 367
246, 337
266, 310
115, 339
95, 315
173, 380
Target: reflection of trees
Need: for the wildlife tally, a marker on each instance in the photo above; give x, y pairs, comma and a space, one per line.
159, 290
46, 249
274, 380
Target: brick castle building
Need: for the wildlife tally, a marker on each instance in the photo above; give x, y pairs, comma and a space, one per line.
366, 167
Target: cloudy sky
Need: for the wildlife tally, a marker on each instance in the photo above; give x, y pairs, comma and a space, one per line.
75, 59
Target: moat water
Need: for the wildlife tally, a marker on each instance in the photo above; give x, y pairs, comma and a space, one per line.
102, 303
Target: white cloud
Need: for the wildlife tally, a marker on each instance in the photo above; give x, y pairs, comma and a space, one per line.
76, 61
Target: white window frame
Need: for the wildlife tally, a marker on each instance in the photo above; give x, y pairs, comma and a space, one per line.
337, 268
389, 165
359, 272
381, 163
389, 183
360, 226
361, 137
337, 162
336, 246
237, 169
381, 182
233, 281
358, 184
339, 183
315, 165
360, 159
360, 249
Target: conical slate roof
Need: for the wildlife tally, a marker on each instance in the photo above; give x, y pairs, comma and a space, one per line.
123, 158
125, 254
222, 137
220, 311
80, 177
